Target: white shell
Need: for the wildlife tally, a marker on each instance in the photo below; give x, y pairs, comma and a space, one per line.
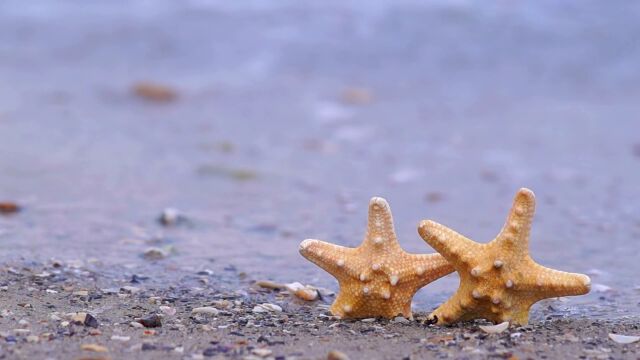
266, 307
623, 339
495, 329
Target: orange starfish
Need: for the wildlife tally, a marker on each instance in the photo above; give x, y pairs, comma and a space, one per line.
378, 278
498, 281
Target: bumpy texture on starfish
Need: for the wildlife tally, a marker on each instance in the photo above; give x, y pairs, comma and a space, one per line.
378, 278
498, 281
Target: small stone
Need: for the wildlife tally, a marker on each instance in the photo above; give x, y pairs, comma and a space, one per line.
93, 347
262, 352
120, 338
266, 307
268, 284
208, 310
9, 207
167, 310
171, 217
151, 321
401, 320
78, 318
154, 92
154, 254
148, 346
130, 289
90, 321
337, 355
33, 338
136, 325
81, 293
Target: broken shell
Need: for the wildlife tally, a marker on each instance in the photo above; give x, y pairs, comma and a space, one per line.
495, 329
624, 339
266, 307
303, 292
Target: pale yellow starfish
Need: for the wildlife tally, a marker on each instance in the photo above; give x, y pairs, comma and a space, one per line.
378, 278
498, 280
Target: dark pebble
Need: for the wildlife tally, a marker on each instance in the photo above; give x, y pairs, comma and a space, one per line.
147, 347
151, 321
215, 350
10, 339
90, 321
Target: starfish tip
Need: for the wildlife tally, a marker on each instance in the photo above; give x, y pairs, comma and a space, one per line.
378, 202
526, 193
424, 225
304, 245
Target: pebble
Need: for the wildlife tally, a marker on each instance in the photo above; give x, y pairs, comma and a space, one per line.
171, 217
8, 207
151, 321
130, 289
167, 310
154, 92
81, 293
262, 352
206, 310
90, 321
33, 339
267, 284
154, 253
93, 347
136, 325
337, 355
266, 307
401, 320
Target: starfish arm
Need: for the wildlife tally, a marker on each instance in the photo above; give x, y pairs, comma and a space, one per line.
380, 231
426, 268
545, 282
516, 229
447, 313
454, 247
328, 256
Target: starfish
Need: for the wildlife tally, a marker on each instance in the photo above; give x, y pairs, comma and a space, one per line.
378, 278
498, 280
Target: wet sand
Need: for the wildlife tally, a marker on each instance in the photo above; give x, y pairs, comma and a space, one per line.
268, 124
